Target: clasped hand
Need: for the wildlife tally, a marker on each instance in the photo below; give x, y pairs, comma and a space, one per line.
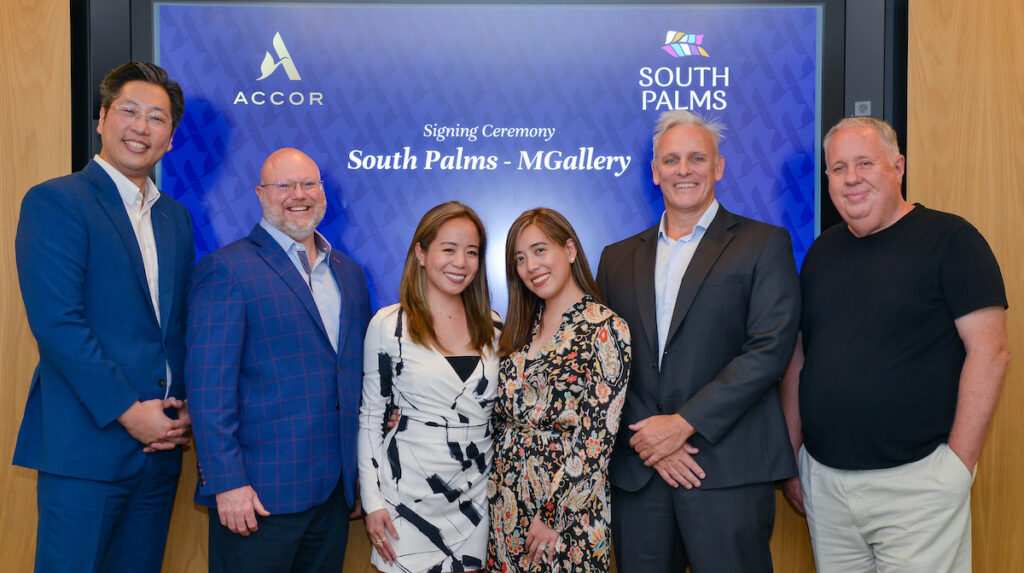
660, 441
148, 423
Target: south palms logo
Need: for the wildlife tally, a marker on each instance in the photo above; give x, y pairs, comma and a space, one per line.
284, 60
681, 44
681, 85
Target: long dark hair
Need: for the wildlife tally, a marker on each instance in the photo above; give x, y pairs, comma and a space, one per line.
523, 303
413, 288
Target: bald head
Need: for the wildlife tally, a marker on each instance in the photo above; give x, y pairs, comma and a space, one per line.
286, 160
291, 194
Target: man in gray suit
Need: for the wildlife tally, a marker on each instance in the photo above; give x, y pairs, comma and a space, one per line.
713, 301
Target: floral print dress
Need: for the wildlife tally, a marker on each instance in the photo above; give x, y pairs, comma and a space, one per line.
556, 419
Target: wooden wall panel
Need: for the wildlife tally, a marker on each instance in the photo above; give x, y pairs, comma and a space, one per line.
791, 542
35, 144
187, 541
966, 120
965, 94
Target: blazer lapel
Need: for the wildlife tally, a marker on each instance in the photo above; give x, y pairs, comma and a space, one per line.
643, 278
275, 257
163, 234
711, 245
110, 200
344, 289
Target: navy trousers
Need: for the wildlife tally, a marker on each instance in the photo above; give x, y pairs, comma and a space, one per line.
311, 541
113, 527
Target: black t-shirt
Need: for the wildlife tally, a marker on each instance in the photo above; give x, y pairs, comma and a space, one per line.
882, 354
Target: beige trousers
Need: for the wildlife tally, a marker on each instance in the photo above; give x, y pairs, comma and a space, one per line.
910, 518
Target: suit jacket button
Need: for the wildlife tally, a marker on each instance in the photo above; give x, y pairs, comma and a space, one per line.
161, 383
337, 406
338, 367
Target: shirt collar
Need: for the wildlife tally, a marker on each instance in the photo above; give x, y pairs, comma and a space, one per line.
130, 193
289, 244
703, 223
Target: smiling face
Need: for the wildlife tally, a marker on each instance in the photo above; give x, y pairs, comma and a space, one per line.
295, 211
686, 168
864, 179
452, 259
543, 265
132, 146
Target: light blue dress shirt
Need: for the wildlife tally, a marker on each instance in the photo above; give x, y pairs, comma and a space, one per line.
670, 263
320, 279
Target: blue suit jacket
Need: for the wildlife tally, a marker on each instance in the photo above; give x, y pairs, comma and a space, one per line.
88, 304
273, 405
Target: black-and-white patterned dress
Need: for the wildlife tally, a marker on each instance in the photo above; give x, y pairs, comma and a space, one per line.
430, 471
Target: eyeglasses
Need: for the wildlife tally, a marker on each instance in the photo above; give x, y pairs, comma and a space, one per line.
154, 120
286, 186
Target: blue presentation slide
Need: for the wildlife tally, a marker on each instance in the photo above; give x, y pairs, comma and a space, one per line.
501, 107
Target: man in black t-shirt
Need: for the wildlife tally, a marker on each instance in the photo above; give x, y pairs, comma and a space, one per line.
897, 372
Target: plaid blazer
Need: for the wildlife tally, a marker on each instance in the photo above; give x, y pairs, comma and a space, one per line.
273, 405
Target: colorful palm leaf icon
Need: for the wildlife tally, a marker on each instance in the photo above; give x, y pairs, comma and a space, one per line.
680, 44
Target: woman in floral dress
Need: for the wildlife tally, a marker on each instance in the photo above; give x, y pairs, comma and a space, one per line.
562, 381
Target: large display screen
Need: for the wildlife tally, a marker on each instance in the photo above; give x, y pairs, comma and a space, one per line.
501, 107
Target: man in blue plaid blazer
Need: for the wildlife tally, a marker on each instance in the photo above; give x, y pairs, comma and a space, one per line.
273, 374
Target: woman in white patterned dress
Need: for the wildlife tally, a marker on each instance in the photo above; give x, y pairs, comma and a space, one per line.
432, 357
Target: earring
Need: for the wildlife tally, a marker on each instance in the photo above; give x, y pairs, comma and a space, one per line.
572, 260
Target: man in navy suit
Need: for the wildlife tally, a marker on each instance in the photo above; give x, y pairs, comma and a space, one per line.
104, 261
274, 372
713, 302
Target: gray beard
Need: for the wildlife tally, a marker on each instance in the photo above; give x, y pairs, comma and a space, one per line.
296, 232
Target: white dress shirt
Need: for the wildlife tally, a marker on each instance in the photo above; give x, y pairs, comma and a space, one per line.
140, 210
